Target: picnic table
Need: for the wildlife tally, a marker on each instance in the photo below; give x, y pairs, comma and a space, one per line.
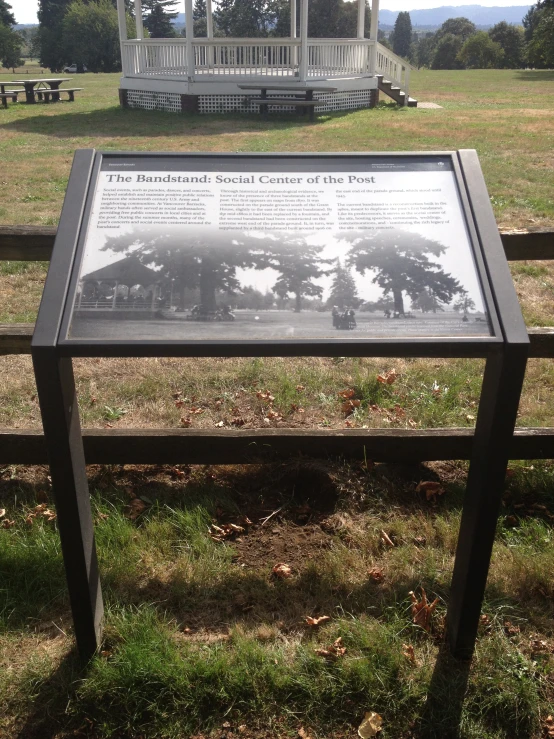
10, 94
44, 83
303, 96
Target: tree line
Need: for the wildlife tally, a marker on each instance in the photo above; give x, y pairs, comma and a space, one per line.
459, 44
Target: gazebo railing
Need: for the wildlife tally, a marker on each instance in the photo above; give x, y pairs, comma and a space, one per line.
245, 58
231, 58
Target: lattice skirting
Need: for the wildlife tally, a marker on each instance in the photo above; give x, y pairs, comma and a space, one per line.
172, 102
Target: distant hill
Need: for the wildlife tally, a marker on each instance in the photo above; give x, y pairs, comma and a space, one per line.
478, 14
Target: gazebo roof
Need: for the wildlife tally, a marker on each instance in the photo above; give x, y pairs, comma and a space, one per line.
129, 271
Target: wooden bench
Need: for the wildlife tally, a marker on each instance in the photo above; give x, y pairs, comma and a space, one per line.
301, 98
49, 94
11, 94
299, 103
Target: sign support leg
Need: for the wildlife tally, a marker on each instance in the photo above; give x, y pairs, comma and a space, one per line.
502, 382
62, 431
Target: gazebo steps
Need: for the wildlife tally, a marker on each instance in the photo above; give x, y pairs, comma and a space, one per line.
395, 93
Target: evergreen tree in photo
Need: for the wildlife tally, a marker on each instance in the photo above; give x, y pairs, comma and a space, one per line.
402, 34
299, 264
512, 41
403, 264
427, 302
157, 16
343, 288
198, 260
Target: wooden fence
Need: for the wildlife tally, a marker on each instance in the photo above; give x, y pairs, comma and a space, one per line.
229, 446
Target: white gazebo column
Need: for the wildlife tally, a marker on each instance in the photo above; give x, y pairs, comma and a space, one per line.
373, 30
138, 19
361, 18
189, 28
209, 20
122, 23
294, 51
303, 71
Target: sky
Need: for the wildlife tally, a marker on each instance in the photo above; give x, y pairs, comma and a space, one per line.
26, 10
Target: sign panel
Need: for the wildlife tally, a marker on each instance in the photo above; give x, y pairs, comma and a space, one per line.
186, 249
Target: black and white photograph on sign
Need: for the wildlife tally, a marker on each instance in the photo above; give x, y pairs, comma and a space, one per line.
250, 256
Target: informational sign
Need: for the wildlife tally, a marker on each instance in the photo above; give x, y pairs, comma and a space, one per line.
179, 252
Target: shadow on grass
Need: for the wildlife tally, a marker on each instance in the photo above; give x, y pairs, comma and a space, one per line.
127, 123
50, 697
442, 714
546, 75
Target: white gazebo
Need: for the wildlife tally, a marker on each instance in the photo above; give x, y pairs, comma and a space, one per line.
205, 74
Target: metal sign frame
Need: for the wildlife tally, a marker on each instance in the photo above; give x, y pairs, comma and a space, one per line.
505, 352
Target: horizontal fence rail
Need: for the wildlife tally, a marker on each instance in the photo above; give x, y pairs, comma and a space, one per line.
230, 446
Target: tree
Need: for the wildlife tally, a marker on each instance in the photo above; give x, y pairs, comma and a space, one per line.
157, 16
425, 50
481, 52
402, 34
50, 17
512, 40
461, 27
541, 45
427, 302
299, 264
446, 53
343, 288
90, 36
402, 264
200, 21
464, 303
11, 44
7, 18
335, 19
246, 18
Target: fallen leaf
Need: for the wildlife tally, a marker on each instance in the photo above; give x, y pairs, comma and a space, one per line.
303, 734
220, 424
370, 726
267, 396
511, 521
316, 622
408, 652
237, 421
282, 570
470, 418
548, 726
387, 378
347, 394
2, 512
422, 610
196, 411
300, 388
7, 523
185, 422
349, 406
376, 574
510, 629
333, 652
135, 508
430, 488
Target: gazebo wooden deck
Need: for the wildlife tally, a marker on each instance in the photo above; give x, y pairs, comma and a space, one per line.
204, 74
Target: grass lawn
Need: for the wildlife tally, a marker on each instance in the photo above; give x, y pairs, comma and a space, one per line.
202, 638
